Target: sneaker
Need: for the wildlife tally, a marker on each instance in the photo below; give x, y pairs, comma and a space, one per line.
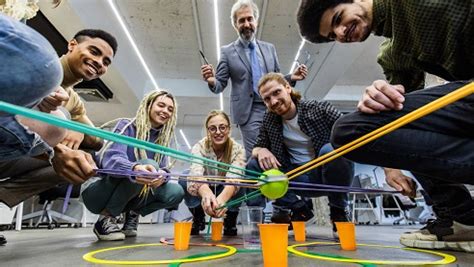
301, 213
198, 220
3, 240
230, 223
441, 234
130, 225
106, 229
281, 216
338, 215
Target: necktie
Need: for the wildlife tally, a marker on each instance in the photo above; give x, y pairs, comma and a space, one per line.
256, 69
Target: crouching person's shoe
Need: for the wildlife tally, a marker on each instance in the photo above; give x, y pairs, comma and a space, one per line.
130, 225
106, 229
230, 223
198, 220
441, 234
338, 215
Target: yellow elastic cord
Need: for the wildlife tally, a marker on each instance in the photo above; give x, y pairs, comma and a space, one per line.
446, 258
414, 115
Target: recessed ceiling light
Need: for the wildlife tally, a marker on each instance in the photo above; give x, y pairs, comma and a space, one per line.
132, 42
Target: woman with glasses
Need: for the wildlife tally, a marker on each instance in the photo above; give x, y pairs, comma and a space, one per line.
207, 198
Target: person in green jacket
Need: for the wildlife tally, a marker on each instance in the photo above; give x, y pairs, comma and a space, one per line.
422, 36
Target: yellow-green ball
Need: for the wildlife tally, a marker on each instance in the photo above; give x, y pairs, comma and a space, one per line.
274, 189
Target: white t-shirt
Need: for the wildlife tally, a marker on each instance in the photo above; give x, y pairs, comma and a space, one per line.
299, 145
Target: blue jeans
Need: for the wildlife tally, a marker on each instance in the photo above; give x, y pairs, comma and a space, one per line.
194, 201
438, 148
29, 70
336, 172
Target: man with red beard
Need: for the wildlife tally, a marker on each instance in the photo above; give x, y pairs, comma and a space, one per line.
433, 36
294, 132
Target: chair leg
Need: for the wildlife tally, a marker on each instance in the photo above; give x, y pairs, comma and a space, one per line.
43, 214
353, 207
402, 212
59, 216
84, 216
372, 208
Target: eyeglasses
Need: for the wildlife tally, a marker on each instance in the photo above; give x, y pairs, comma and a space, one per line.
222, 128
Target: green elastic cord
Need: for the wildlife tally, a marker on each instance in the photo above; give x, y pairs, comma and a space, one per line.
208, 233
339, 257
234, 202
259, 251
130, 141
241, 199
197, 256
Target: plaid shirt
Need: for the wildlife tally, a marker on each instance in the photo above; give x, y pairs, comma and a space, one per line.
315, 120
436, 36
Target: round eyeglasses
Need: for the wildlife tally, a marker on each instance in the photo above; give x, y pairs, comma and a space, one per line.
222, 128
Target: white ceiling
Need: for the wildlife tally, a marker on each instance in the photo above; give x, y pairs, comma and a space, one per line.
169, 34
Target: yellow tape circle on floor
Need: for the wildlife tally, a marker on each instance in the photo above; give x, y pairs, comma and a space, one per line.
90, 257
445, 260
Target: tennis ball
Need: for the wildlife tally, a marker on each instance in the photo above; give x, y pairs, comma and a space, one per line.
274, 189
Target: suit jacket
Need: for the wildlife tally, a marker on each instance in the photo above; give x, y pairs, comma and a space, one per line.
234, 64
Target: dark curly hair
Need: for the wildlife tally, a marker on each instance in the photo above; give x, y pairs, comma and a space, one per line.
95, 33
309, 16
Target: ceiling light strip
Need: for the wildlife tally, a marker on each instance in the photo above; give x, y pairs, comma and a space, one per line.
218, 45
261, 21
184, 138
132, 42
221, 100
293, 66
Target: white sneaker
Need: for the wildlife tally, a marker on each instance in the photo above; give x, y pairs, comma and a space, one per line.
441, 234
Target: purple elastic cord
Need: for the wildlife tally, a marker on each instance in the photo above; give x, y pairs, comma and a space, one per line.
322, 187
169, 176
66, 198
219, 183
329, 190
153, 175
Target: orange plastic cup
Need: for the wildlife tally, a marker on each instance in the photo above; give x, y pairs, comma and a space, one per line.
274, 239
299, 229
216, 230
346, 231
182, 234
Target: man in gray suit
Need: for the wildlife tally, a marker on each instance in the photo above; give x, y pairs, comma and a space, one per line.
244, 61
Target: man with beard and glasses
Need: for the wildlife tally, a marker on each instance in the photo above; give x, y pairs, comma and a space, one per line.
433, 36
294, 132
245, 61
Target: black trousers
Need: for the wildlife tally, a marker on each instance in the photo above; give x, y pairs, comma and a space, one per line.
438, 148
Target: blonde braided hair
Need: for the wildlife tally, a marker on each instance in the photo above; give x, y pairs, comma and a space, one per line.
143, 125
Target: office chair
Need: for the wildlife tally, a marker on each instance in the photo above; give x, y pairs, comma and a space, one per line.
49, 216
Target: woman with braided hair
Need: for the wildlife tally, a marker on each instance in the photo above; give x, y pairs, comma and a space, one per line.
110, 196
